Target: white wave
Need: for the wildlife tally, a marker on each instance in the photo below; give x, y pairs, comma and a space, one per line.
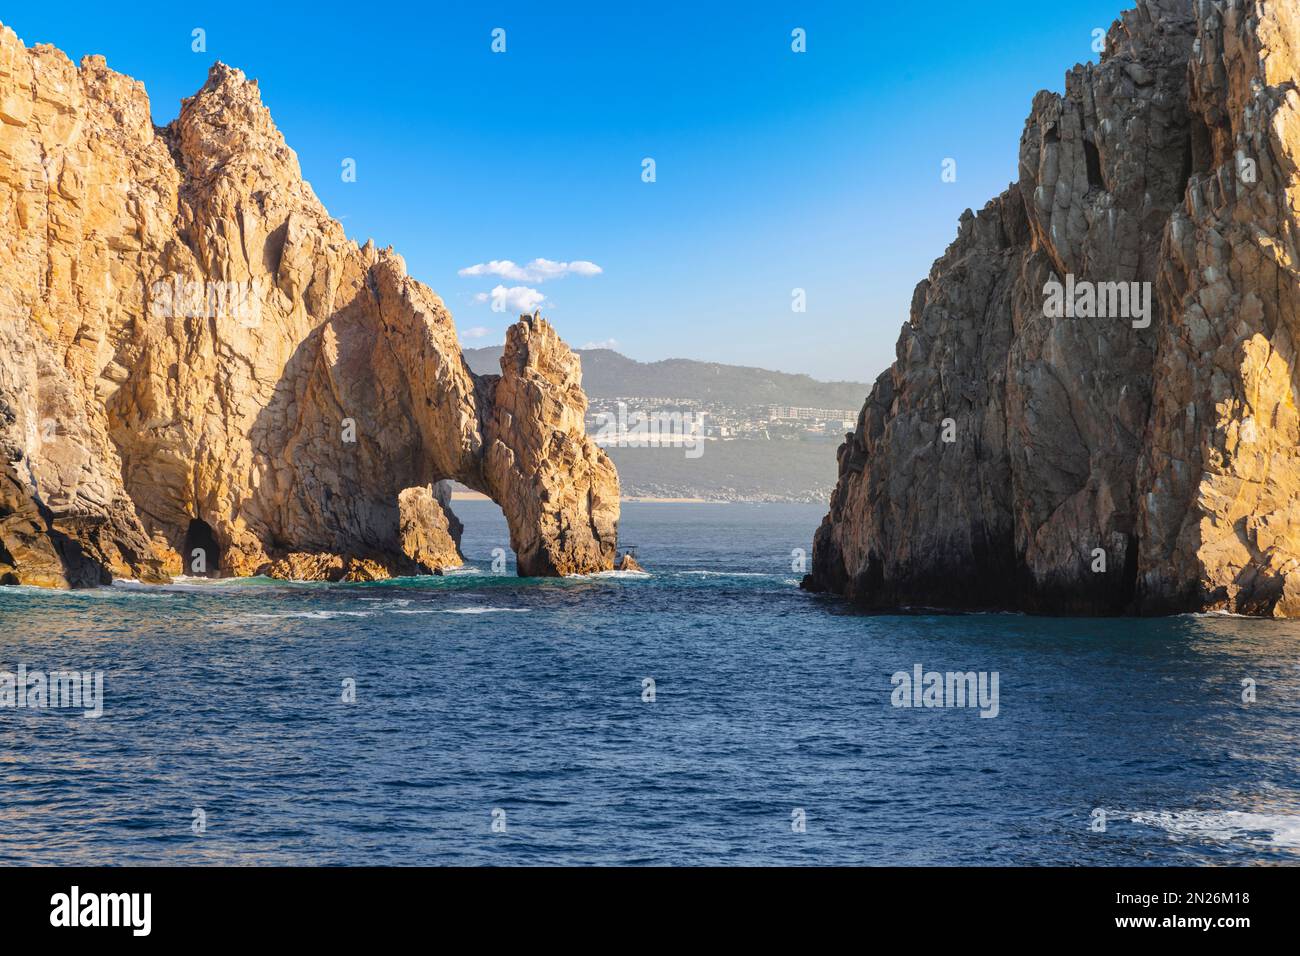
727, 574
1227, 826
313, 615
32, 590
608, 575
1232, 614
464, 610
187, 585
487, 610
102, 593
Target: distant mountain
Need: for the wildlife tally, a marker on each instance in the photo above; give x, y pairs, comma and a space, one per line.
747, 469
607, 374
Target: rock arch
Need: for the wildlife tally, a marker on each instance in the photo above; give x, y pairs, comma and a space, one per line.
217, 346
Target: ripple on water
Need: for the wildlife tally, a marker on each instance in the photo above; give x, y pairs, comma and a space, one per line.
477, 692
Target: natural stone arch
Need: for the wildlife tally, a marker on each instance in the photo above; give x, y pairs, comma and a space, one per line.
174, 402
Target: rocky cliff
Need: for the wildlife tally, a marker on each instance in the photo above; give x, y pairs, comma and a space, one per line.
199, 372
1094, 404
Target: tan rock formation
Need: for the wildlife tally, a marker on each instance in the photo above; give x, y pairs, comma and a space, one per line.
630, 563
189, 345
429, 531
1221, 469
1015, 458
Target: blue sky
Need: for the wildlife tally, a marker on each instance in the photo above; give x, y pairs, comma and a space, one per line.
775, 170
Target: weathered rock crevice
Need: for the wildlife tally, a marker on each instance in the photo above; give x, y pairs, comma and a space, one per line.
1105, 464
187, 336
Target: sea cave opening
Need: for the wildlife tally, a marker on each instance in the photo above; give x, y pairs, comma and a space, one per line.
201, 554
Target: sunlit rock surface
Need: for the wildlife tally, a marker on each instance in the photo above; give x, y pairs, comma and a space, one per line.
191, 346
1103, 464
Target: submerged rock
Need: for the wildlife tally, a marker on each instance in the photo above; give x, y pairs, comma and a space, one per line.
1094, 405
190, 345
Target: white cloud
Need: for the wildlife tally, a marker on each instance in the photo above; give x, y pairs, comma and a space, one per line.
475, 333
607, 344
539, 270
497, 267
517, 298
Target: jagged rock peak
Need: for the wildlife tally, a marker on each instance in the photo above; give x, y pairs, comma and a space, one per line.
197, 365
1141, 452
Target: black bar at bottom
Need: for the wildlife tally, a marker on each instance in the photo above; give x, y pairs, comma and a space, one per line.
215, 905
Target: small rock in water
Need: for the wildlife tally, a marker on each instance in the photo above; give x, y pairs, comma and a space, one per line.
629, 563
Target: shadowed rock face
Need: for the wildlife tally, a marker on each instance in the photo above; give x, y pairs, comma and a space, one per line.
185, 334
1094, 466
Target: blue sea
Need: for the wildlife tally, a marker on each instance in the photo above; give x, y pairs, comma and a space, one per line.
706, 713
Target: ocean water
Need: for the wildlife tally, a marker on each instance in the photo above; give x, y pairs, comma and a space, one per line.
504, 721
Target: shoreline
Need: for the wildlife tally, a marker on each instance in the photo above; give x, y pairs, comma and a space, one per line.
652, 500
479, 496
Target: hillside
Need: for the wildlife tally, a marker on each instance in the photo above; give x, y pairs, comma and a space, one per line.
758, 463
608, 374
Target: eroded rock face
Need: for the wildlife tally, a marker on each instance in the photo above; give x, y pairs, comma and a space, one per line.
1220, 526
539, 463
1104, 464
186, 335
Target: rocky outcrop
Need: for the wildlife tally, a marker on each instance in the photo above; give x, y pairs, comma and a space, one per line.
1116, 456
429, 531
630, 564
194, 358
